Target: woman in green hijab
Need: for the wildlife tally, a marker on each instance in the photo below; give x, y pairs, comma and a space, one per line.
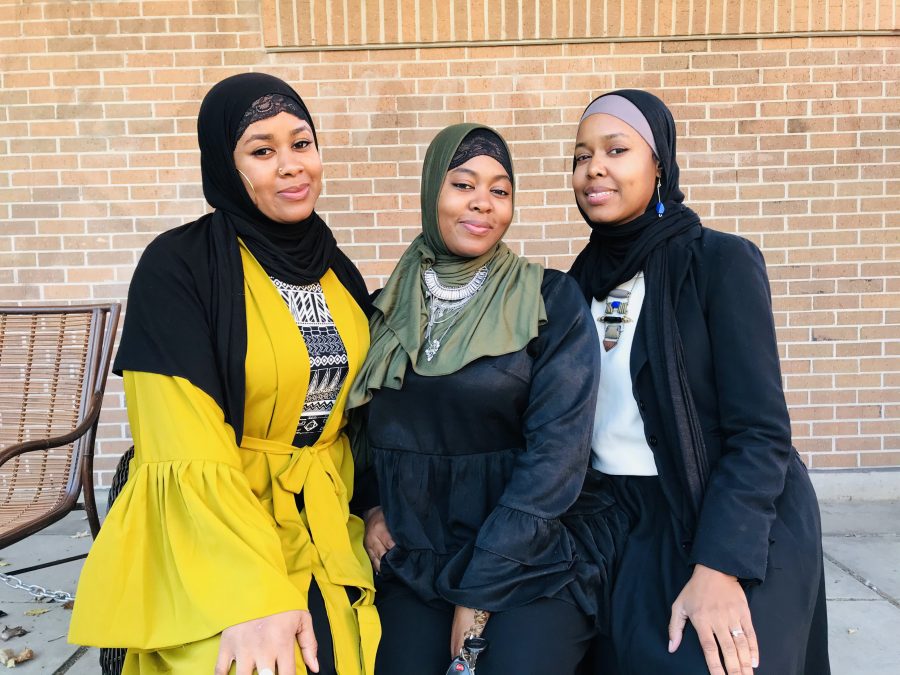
481, 386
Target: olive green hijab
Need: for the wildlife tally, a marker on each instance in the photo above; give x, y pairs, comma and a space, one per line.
500, 319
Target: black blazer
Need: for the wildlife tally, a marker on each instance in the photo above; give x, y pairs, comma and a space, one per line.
724, 313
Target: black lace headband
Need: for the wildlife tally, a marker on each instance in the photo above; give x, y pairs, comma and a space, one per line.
482, 142
268, 106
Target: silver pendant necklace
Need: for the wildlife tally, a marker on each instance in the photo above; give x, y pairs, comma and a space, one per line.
615, 315
445, 304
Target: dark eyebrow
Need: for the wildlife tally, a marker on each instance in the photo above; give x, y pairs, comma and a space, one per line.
259, 137
608, 137
499, 176
269, 137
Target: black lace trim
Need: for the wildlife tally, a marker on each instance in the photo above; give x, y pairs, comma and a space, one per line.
482, 142
268, 106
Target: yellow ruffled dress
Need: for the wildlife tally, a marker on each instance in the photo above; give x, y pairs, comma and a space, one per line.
207, 534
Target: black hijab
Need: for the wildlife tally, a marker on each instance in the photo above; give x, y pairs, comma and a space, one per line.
616, 253
186, 313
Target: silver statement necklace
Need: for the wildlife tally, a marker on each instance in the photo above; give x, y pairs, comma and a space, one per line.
445, 304
615, 314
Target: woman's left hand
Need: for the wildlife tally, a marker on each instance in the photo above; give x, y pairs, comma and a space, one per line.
716, 606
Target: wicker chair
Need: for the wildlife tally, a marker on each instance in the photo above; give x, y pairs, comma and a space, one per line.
53, 367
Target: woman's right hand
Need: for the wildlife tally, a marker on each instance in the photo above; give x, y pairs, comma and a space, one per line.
717, 607
378, 540
267, 644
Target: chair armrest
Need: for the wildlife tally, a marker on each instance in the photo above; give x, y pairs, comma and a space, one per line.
17, 449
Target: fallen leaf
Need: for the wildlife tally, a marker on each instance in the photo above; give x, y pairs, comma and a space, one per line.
851, 631
25, 655
8, 633
69, 604
36, 612
5, 563
10, 659
80, 535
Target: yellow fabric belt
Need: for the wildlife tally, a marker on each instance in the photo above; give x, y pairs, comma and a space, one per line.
310, 469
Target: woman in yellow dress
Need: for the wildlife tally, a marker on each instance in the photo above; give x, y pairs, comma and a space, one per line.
231, 548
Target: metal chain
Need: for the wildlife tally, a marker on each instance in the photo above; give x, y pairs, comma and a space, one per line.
39, 592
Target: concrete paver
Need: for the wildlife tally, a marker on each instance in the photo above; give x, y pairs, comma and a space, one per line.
860, 517
876, 559
47, 632
841, 586
863, 638
861, 542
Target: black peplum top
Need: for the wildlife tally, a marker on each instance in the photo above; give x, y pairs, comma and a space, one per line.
476, 468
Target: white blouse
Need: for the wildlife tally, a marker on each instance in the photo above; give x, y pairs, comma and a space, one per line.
619, 446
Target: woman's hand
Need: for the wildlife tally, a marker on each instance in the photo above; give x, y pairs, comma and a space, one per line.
717, 607
463, 619
377, 540
267, 644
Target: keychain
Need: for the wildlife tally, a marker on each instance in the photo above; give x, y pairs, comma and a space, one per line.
464, 664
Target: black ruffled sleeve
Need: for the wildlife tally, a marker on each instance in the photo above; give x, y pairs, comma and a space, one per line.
523, 551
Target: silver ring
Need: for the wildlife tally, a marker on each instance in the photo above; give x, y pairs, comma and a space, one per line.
734, 633
265, 671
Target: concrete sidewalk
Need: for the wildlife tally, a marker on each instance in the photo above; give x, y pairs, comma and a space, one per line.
862, 551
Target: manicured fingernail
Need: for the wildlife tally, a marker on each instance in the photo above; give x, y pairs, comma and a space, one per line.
316, 664
670, 647
755, 662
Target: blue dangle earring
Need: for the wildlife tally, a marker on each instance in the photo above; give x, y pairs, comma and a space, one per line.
660, 207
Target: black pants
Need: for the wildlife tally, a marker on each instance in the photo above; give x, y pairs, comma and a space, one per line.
788, 609
322, 629
546, 637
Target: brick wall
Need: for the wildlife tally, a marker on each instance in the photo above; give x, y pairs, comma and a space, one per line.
793, 142
317, 24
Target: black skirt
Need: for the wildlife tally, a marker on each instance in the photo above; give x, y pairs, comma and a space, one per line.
787, 609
